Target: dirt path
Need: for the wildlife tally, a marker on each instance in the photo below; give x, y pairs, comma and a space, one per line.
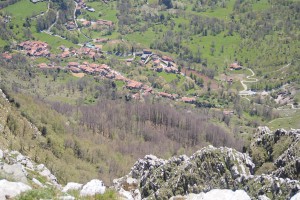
283, 67
50, 27
245, 91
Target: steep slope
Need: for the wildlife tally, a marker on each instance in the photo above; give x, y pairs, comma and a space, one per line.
279, 150
223, 168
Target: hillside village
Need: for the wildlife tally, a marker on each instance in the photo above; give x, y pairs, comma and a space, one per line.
35, 49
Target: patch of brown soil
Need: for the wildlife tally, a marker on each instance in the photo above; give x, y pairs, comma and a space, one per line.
78, 75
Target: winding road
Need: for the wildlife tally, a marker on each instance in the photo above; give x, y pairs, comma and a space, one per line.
245, 91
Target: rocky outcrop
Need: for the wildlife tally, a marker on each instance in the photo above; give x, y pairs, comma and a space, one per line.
216, 194
282, 148
210, 173
220, 168
9, 189
207, 169
27, 175
15, 166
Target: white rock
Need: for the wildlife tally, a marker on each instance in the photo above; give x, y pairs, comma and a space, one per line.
1, 154
68, 197
12, 189
72, 186
14, 152
219, 194
263, 197
20, 157
37, 182
28, 164
40, 167
45, 172
15, 171
125, 194
137, 194
296, 196
93, 187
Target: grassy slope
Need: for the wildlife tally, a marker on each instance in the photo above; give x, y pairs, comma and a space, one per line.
25, 8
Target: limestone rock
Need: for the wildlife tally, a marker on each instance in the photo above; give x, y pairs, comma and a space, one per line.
263, 197
15, 172
68, 197
217, 194
93, 187
208, 168
127, 187
125, 194
44, 171
280, 147
20, 168
37, 182
72, 186
12, 189
296, 196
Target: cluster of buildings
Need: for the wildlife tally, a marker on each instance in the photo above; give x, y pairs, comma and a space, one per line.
159, 63
138, 88
89, 50
93, 69
35, 48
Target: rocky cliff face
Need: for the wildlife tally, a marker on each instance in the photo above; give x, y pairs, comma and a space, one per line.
206, 169
18, 174
281, 148
222, 168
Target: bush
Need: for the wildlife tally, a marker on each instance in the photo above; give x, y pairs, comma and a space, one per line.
259, 156
108, 195
266, 168
43, 193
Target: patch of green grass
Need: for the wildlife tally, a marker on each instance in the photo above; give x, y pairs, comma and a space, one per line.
288, 120
2, 43
41, 60
25, 8
145, 38
168, 77
119, 84
260, 5
218, 12
108, 195
99, 34
205, 43
102, 11
41, 193
53, 41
